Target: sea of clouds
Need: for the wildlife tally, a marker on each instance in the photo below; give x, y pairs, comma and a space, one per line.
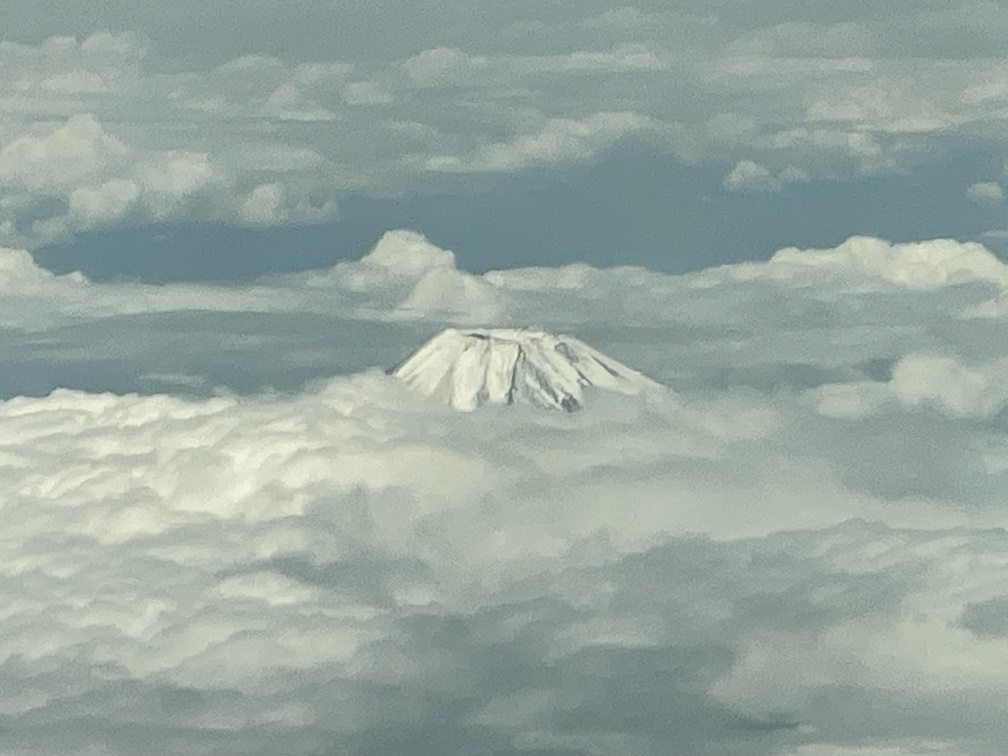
248, 114
799, 550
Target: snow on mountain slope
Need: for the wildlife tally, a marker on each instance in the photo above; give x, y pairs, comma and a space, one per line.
470, 368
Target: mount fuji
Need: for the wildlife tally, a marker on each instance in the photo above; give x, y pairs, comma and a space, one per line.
470, 368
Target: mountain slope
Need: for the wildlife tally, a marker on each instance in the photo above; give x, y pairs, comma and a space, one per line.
470, 368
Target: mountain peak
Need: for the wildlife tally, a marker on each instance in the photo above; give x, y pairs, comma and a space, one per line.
468, 368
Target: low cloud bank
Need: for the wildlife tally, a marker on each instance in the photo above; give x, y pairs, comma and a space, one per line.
406, 277
353, 569
799, 550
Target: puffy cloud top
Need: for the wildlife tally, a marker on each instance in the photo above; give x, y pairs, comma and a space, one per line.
408, 253
921, 265
779, 101
810, 518
405, 276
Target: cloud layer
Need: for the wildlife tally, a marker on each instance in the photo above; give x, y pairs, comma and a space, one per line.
799, 550
154, 121
406, 278
351, 570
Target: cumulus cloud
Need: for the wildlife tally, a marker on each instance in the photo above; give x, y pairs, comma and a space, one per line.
955, 388
822, 98
103, 204
407, 277
920, 265
264, 205
65, 71
74, 137
79, 150
407, 253
804, 535
99, 177
353, 569
985, 192
921, 380
557, 141
748, 176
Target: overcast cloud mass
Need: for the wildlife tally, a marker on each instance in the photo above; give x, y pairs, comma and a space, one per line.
227, 530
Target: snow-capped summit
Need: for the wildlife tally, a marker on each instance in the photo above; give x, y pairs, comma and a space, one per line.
470, 368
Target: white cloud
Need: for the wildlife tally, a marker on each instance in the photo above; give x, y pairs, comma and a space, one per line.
366, 93
65, 68
985, 192
920, 265
792, 175
922, 380
334, 558
750, 176
19, 275
99, 176
557, 141
806, 530
440, 65
944, 382
103, 204
443, 66
407, 253
265, 205
807, 40
405, 276
79, 150
176, 174
820, 98
453, 295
